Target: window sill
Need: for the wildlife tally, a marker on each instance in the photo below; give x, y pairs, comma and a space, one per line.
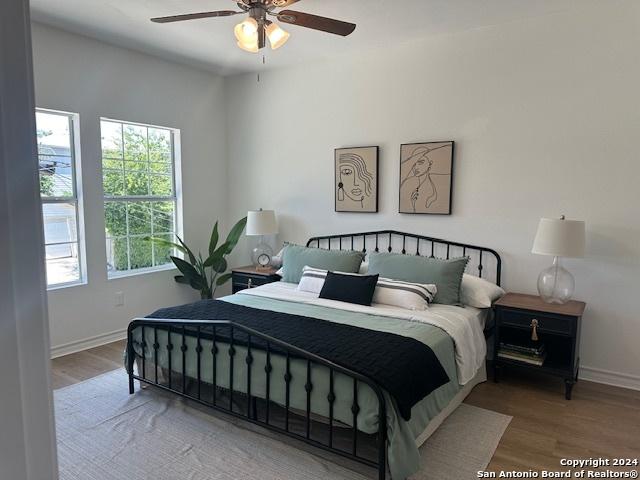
140, 271
61, 286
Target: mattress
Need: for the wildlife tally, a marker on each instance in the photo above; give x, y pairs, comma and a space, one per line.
453, 333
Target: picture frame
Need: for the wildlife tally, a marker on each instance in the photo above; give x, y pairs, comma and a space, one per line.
425, 185
356, 179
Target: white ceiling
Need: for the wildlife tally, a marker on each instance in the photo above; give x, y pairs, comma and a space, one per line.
210, 43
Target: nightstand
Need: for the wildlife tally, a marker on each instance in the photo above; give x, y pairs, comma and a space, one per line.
557, 328
249, 277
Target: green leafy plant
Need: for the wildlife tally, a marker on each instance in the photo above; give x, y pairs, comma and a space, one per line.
205, 275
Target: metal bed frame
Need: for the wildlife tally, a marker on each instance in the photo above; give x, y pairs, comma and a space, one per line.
252, 340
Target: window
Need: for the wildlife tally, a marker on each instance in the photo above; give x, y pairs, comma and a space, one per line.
140, 200
59, 190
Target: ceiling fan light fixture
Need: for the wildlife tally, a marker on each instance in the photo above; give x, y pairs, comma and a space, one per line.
247, 30
253, 31
251, 46
247, 34
276, 35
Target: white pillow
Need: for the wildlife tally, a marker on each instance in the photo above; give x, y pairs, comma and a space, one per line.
276, 260
478, 292
412, 296
312, 280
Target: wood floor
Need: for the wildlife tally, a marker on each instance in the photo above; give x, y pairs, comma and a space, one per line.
600, 421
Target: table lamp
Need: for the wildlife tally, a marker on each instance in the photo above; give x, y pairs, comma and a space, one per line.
558, 237
261, 223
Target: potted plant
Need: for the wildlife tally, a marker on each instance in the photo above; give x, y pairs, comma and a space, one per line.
205, 275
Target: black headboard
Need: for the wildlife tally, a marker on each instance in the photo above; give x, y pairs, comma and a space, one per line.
481, 259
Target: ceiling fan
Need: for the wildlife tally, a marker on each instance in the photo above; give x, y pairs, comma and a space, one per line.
253, 32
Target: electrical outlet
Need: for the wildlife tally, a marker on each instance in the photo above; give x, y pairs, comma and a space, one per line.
119, 299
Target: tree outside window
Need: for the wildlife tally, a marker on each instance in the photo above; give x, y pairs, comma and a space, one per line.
140, 197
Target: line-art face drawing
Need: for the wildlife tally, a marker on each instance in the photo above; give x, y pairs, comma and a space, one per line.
354, 180
418, 179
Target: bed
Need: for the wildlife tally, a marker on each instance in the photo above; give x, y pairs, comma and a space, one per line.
241, 355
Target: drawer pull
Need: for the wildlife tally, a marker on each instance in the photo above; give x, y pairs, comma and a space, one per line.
534, 329
250, 283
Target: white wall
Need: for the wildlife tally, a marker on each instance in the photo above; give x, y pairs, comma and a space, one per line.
27, 432
545, 115
85, 76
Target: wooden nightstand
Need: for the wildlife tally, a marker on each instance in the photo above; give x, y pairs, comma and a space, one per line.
558, 328
249, 277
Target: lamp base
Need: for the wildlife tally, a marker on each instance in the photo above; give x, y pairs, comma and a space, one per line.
556, 284
261, 255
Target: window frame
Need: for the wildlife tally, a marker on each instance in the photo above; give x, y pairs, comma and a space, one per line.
77, 198
176, 179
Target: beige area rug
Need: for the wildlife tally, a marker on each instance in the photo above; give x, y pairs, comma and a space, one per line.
106, 434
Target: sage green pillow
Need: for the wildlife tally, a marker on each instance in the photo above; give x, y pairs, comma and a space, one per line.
295, 258
445, 274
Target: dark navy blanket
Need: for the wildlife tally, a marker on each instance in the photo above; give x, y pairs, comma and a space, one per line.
406, 368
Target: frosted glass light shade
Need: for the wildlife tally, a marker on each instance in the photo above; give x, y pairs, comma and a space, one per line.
246, 30
247, 34
261, 222
559, 238
249, 47
277, 36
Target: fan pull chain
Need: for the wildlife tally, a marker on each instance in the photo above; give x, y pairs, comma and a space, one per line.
264, 62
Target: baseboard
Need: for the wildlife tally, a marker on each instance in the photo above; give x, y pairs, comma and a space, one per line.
608, 377
80, 345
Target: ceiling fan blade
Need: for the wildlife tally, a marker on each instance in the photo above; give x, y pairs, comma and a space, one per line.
315, 22
283, 3
194, 16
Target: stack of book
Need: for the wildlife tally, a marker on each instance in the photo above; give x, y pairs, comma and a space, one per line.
533, 354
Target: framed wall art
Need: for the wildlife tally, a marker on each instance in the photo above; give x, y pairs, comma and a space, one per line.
426, 177
356, 179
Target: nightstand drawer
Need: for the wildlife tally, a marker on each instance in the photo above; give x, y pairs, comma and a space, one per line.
249, 281
546, 322
249, 277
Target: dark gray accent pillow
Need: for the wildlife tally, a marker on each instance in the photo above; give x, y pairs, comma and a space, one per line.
296, 257
356, 289
445, 274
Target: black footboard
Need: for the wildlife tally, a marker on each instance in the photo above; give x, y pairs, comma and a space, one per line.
252, 342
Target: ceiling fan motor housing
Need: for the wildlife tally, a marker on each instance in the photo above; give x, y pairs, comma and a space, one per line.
258, 12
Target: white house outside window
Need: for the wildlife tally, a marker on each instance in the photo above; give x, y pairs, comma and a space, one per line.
60, 191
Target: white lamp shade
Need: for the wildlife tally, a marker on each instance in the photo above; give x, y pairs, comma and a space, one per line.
261, 222
559, 238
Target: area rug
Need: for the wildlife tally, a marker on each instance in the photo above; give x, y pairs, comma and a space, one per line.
106, 434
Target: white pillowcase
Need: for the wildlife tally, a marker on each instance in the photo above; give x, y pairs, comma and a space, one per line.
478, 292
411, 296
312, 280
276, 260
